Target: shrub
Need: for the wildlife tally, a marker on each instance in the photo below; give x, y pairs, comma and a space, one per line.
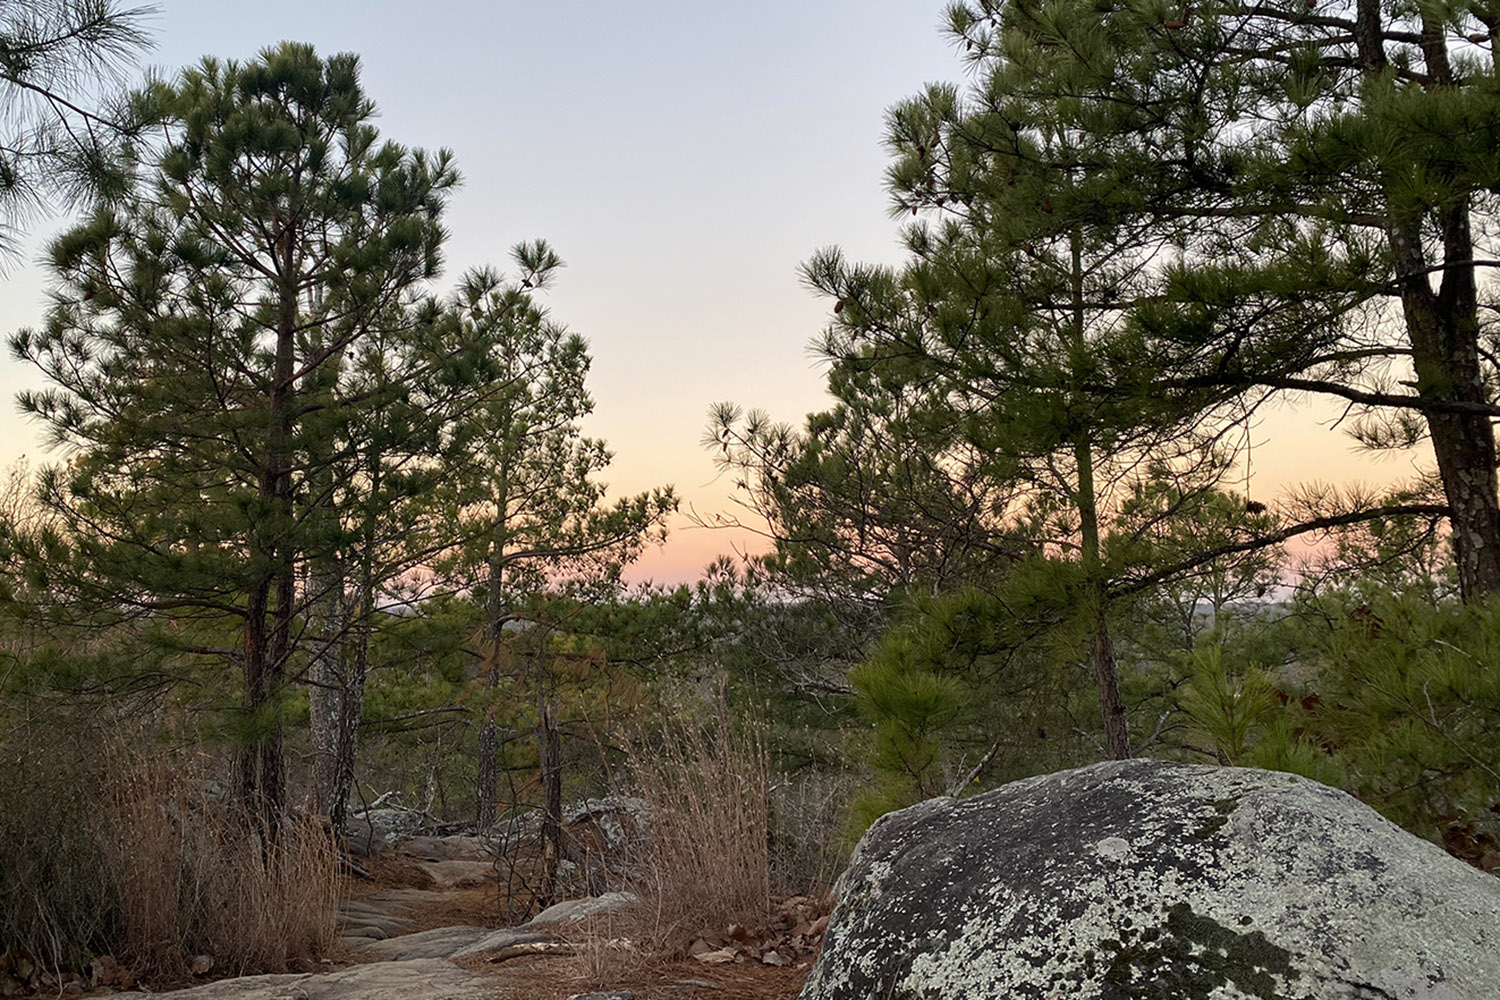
56, 905
1402, 708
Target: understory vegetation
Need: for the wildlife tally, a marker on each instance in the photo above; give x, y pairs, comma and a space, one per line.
322, 536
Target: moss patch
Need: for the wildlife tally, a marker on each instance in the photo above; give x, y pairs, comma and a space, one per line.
1190, 955
1223, 809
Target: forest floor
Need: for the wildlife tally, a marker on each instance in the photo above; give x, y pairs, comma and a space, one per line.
600, 961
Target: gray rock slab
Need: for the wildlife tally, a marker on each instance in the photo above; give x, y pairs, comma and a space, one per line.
440, 942
459, 874
497, 940
389, 926
1147, 879
415, 980
402, 898
573, 910
446, 848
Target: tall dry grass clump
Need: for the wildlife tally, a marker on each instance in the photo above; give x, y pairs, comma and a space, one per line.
112, 844
707, 861
196, 877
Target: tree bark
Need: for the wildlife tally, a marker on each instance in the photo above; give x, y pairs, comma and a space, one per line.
549, 761
487, 785
328, 691
1443, 328
263, 768
1444, 331
496, 609
1105, 668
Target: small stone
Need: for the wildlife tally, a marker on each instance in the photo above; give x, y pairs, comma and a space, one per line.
103, 970
1113, 848
201, 964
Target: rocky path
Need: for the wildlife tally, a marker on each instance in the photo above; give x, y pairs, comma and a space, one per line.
397, 944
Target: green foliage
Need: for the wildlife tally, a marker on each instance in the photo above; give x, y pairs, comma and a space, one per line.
64, 123
974, 688
1403, 705
1225, 709
1309, 189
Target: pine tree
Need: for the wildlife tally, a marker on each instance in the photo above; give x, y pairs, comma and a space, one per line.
875, 499
1012, 314
194, 343
1324, 171
528, 509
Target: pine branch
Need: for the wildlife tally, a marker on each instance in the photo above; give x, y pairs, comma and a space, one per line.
1151, 579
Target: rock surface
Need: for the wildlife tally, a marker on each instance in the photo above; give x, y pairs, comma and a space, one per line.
446, 848
371, 831
440, 942
1143, 879
571, 911
427, 979
457, 873
499, 940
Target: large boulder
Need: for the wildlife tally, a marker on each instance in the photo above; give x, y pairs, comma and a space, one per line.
1143, 879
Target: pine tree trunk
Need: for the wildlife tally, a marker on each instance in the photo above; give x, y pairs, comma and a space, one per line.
495, 608
248, 769
487, 786
549, 758
356, 670
347, 639
350, 711
327, 692
1444, 331
1107, 679
1105, 668
1443, 328
276, 489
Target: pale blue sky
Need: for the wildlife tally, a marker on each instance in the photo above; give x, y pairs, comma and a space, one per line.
683, 158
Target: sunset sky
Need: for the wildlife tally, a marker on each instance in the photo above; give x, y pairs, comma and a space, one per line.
683, 158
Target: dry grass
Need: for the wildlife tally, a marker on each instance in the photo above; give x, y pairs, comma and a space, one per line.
113, 845
707, 860
194, 879
605, 950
